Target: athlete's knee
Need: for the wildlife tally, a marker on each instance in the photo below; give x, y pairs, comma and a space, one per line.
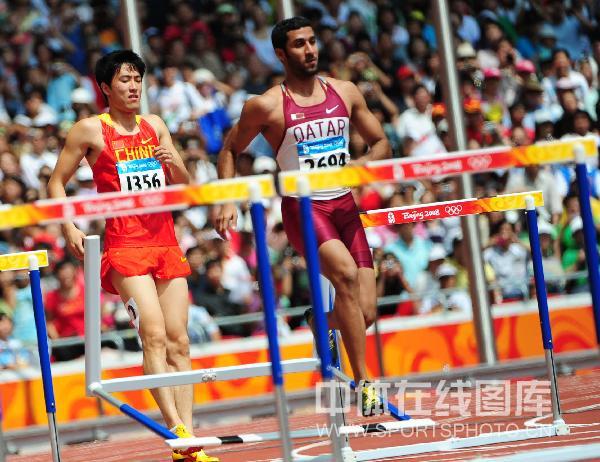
368, 305
345, 278
153, 339
369, 316
178, 347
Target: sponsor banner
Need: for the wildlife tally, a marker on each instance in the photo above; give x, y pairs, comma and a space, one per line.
416, 213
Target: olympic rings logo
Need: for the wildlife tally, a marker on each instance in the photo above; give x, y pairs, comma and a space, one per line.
453, 209
391, 218
479, 162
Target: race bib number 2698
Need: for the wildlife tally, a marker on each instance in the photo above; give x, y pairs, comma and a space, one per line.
141, 175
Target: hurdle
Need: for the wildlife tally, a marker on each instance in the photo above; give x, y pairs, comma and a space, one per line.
528, 201
33, 261
253, 189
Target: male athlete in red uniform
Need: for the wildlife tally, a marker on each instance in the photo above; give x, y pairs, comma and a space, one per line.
142, 261
307, 122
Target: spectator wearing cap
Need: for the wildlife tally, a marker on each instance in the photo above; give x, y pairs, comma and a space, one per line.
466, 57
509, 259
475, 123
524, 68
416, 129
532, 95
569, 79
82, 102
427, 281
449, 297
492, 98
406, 82
546, 42
35, 156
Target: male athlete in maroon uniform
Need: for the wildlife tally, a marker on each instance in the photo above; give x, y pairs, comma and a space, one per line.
307, 122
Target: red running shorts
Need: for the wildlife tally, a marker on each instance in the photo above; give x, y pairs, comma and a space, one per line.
162, 262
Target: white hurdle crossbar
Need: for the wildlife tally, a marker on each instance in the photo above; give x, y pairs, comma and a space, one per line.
93, 360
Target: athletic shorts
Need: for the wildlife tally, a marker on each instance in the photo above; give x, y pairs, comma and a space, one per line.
162, 262
333, 219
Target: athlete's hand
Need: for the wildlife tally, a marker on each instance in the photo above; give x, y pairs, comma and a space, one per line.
359, 162
226, 219
163, 155
74, 237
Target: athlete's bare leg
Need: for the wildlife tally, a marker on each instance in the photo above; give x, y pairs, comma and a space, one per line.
339, 267
173, 297
368, 294
153, 334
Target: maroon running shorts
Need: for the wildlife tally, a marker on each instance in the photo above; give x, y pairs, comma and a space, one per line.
333, 219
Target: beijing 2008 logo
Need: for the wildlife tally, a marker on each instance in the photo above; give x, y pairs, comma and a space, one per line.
391, 218
453, 209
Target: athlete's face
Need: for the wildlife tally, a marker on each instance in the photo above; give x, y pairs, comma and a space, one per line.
301, 55
125, 89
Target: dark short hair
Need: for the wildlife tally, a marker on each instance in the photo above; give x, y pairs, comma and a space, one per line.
280, 30
416, 89
109, 65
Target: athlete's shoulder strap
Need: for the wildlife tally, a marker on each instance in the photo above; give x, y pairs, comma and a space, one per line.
107, 119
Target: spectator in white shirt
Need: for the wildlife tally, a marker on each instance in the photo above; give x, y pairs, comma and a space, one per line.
416, 129
36, 157
178, 101
509, 259
561, 69
536, 178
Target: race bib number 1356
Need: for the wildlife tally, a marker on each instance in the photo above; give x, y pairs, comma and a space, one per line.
141, 175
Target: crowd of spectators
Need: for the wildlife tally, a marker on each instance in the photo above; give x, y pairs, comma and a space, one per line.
528, 72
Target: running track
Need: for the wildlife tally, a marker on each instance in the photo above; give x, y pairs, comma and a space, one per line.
580, 399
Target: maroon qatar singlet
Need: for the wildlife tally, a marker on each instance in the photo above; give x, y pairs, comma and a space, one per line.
315, 137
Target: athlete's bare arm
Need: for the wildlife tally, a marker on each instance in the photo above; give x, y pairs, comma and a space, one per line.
84, 137
364, 121
253, 120
166, 153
